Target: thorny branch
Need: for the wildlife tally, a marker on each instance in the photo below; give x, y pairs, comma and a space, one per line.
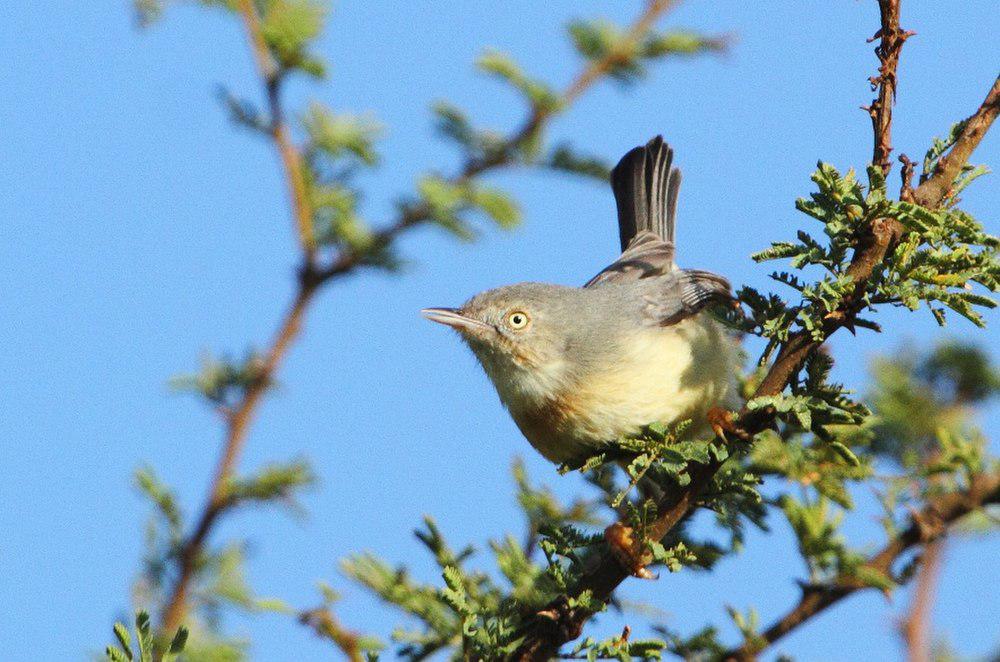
545, 634
891, 38
926, 526
313, 274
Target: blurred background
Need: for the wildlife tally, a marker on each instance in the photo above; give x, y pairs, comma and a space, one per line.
141, 230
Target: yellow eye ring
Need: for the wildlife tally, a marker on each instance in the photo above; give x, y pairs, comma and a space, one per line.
517, 320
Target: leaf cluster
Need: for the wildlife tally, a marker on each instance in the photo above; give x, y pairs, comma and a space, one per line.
223, 382
218, 574
626, 55
147, 648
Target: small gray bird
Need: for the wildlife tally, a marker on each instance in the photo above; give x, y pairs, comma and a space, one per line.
581, 367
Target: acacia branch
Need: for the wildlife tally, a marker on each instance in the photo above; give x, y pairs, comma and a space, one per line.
415, 213
916, 627
272, 76
891, 38
237, 427
322, 621
927, 526
636, 32
313, 275
936, 188
556, 624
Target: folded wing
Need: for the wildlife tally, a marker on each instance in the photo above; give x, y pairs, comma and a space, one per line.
646, 187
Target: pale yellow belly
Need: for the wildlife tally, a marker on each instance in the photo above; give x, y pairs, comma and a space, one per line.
666, 375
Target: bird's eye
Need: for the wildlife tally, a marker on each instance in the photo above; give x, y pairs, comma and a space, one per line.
517, 320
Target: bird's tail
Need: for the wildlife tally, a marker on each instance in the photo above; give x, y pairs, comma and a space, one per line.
646, 189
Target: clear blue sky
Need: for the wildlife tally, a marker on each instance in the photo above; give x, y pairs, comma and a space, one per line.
140, 229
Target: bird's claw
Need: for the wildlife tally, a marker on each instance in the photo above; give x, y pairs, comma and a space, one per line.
628, 551
721, 420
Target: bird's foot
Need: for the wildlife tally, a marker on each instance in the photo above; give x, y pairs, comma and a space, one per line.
721, 420
628, 551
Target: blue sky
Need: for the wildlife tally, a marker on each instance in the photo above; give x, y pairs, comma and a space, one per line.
140, 230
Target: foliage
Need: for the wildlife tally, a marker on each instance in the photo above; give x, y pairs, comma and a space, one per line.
600, 40
219, 580
146, 648
222, 382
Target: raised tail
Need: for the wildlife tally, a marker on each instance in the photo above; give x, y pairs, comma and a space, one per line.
646, 189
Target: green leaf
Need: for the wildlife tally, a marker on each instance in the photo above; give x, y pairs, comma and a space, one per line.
116, 655
276, 481
539, 94
845, 453
565, 159
179, 641
144, 636
498, 205
288, 27
873, 577
680, 43
121, 633
339, 135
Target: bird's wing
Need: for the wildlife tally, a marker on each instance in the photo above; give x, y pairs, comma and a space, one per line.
646, 189
682, 294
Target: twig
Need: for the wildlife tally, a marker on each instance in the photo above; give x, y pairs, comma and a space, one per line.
929, 525
931, 192
238, 424
891, 39
313, 275
322, 621
916, 627
545, 635
271, 75
415, 213
639, 28
906, 175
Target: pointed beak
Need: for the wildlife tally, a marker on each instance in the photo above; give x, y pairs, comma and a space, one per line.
456, 320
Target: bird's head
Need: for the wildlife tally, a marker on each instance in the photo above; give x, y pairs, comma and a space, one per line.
521, 335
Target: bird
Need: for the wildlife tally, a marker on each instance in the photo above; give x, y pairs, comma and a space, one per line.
579, 368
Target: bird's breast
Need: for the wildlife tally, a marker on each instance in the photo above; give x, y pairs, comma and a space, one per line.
660, 374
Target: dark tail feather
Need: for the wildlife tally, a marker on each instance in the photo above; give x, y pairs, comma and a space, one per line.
646, 189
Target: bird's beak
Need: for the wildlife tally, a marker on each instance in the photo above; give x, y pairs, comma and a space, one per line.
456, 320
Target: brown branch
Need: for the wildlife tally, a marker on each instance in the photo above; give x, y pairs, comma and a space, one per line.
928, 525
906, 175
239, 419
272, 75
313, 276
412, 214
916, 627
891, 39
322, 621
238, 424
936, 188
556, 624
